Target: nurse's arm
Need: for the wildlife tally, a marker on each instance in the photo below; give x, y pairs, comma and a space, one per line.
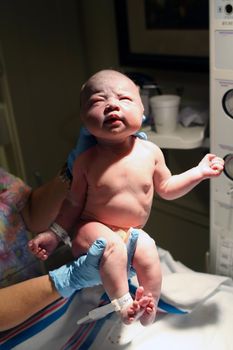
20, 301
44, 204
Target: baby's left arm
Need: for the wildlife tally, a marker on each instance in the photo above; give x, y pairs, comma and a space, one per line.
211, 166
175, 186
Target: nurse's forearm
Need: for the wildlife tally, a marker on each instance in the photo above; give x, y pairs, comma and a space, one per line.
44, 205
22, 300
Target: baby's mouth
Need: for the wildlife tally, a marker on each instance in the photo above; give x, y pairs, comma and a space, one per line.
112, 119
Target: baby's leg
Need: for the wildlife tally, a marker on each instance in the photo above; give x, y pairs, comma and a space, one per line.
113, 268
43, 244
147, 265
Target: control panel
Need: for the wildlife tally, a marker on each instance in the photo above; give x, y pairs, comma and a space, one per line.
224, 9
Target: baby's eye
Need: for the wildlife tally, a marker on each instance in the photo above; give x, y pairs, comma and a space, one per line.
95, 101
127, 98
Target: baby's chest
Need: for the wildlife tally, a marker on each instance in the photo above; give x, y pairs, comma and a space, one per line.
127, 174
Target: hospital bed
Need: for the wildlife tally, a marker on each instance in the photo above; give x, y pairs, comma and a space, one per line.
195, 312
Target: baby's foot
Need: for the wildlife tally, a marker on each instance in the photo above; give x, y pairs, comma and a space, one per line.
149, 313
136, 310
43, 244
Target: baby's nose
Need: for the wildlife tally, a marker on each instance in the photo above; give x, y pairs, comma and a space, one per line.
112, 105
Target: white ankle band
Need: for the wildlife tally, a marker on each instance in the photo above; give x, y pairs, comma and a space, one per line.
114, 306
122, 302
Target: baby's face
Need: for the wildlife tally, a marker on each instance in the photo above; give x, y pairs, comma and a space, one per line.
111, 106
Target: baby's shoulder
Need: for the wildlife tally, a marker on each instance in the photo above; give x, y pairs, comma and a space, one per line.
150, 146
85, 158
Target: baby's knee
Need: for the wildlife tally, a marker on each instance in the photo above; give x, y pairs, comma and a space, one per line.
85, 233
145, 241
146, 252
116, 250
116, 245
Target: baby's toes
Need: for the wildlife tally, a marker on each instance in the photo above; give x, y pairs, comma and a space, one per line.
135, 306
131, 312
144, 301
139, 293
150, 309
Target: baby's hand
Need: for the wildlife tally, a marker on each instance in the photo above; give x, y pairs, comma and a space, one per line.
43, 244
211, 166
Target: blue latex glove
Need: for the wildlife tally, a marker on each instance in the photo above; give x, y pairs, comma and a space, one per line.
80, 273
84, 271
85, 141
141, 135
131, 246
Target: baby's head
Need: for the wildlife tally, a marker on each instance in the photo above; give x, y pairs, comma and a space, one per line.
111, 105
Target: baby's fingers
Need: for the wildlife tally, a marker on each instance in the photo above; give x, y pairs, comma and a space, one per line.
217, 164
217, 167
217, 160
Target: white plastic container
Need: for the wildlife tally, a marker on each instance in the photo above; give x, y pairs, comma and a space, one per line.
165, 110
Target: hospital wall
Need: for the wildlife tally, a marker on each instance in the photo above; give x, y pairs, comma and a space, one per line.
44, 63
49, 49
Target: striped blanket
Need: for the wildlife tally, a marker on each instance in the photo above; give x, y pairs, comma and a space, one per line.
55, 327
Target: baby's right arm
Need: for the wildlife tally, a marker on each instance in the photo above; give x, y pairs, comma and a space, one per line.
73, 205
46, 242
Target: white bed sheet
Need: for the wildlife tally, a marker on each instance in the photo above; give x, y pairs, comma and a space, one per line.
207, 327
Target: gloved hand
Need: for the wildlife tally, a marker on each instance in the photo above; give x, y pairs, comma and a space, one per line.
141, 135
131, 246
84, 271
84, 142
80, 273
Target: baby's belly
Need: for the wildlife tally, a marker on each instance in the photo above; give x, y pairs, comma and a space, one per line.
123, 214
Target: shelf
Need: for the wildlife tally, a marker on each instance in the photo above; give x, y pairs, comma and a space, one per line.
182, 138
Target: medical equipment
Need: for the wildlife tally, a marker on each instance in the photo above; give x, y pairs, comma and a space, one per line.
221, 140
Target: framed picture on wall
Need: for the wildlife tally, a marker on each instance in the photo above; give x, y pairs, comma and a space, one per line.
163, 33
